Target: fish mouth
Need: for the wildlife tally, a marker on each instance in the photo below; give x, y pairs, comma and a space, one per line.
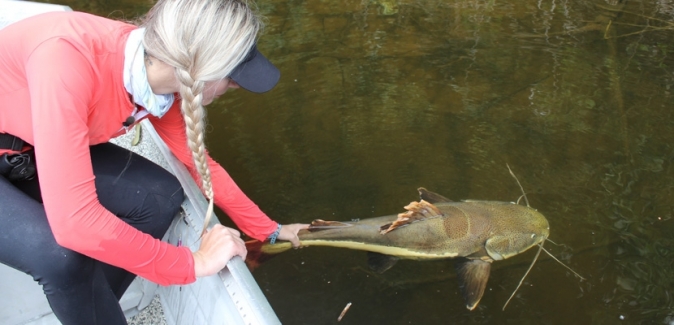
513, 245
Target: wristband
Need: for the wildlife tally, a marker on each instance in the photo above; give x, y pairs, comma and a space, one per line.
274, 235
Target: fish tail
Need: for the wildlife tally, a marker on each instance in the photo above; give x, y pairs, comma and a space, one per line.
260, 252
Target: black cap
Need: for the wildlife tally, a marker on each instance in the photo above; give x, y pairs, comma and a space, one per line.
255, 73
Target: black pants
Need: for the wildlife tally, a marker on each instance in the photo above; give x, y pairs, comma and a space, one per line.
82, 290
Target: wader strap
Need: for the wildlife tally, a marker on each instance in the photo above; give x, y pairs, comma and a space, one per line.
8, 141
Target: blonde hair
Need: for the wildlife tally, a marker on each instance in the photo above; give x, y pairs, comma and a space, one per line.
204, 40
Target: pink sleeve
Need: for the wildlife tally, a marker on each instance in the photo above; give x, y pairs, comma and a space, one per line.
228, 196
60, 95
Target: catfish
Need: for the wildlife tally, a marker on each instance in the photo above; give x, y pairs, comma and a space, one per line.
476, 232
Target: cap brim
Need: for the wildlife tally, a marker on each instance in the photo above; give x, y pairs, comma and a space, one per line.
256, 73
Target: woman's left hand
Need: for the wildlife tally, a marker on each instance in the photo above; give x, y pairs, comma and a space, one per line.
289, 233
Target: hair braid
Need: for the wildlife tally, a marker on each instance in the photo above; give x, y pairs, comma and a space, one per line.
194, 115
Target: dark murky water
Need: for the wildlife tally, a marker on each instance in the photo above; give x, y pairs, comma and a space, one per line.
379, 97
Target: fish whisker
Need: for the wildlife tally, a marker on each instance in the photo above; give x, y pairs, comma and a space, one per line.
540, 247
560, 262
550, 240
521, 188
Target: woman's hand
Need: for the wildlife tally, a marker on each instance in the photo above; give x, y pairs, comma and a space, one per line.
218, 246
289, 233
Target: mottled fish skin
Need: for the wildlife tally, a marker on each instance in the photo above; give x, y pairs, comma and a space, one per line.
489, 230
477, 232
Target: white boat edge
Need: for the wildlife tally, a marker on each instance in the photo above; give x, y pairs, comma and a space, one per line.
231, 297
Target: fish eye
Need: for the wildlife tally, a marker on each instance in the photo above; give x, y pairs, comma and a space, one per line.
533, 235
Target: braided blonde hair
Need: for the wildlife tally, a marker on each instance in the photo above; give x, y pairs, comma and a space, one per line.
204, 40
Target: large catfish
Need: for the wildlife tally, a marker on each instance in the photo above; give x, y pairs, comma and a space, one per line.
436, 228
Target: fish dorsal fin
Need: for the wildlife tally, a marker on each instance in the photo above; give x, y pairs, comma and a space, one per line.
431, 197
473, 276
318, 225
380, 263
416, 211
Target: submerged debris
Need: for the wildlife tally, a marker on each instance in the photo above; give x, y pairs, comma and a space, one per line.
344, 312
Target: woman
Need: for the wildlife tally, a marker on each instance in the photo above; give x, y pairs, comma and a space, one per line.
93, 217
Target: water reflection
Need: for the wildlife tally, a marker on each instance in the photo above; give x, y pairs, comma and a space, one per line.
379, 97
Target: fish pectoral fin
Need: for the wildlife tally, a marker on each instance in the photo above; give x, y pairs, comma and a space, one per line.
431, 197
319, 224
380, 263
473, 276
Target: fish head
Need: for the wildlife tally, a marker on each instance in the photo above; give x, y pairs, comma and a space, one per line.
519, 230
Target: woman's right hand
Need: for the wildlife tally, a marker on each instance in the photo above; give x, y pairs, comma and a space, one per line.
218, 246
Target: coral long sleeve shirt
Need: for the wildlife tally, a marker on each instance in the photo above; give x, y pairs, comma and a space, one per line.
61, 90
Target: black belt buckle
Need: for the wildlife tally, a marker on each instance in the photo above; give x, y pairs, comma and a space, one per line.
17, 167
